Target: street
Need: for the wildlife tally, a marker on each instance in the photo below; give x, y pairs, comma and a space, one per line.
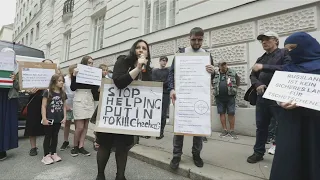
19, 165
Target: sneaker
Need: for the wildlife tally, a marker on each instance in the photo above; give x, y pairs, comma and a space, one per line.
3, 155
64, 146
254, 158
174, 164
101, 177
224, 133
160, 137
84, 152
33, 151
55, 157
204, 139
75, 151
47, 159
197, 160
272, 150
233, 135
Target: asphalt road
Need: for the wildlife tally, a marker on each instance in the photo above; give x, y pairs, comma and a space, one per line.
20, 166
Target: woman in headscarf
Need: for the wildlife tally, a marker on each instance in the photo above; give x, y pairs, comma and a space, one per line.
298, 140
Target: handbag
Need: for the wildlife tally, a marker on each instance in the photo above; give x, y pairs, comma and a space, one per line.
251, 96
24, 111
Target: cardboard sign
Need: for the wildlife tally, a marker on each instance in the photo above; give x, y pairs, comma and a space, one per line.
134, 110
35, 75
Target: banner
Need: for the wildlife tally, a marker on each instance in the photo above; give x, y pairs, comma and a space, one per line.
301, 88
134, 110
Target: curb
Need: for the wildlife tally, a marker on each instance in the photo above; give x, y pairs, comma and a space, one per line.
161, 159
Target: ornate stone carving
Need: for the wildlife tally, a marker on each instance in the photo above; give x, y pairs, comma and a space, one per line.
304, 19
185, 41
97, 4
242, 71
162, 49
239, 33
231, 54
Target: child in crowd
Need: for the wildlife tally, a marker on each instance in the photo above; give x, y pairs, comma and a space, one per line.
54, 114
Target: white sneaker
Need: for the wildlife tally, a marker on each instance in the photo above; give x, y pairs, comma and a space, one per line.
272, 150
55, 157
47, 159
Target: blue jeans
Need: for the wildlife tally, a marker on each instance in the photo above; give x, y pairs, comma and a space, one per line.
265, 110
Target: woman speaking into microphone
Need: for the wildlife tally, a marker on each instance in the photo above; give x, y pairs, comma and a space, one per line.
135, 66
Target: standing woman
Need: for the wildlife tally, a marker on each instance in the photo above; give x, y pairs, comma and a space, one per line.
8, 116
298, 140
125, 71
83, 108
34, 127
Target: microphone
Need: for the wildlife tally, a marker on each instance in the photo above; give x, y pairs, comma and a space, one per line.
143, 65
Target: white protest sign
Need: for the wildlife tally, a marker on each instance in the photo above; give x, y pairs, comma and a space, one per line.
301, 88
89, 75
7, 62
134, 110
192, 85
35, 75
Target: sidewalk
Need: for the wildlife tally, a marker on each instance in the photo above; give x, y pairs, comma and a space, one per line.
224, 158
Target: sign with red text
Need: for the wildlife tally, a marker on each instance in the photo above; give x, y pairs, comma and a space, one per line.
302, 88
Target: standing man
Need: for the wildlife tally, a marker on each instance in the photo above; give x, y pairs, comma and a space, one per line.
196, 39
273, 59
161, 75
225, 85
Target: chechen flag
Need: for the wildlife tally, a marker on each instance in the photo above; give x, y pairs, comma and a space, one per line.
5, 80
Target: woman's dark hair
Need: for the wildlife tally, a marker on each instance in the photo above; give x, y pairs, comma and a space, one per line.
85, 60
133, 56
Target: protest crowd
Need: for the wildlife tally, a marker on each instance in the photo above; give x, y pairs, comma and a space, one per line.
290, 128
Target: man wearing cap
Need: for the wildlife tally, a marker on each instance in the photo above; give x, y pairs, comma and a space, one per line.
225, 85
273, 59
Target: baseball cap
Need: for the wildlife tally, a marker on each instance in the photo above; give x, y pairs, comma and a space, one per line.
268, 34
222, 62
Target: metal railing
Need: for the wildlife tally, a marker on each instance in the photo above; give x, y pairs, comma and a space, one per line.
68, 6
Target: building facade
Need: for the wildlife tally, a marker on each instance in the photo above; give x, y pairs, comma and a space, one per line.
66, 30
6, 32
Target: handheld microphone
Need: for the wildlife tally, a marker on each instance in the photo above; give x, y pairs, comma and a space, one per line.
143, 65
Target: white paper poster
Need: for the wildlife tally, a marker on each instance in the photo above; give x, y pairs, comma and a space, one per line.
301, 88
192, 86
134, 110
36, 77
89, 75
7, 62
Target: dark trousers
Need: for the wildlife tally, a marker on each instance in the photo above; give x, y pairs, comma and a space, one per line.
265, 110
51, 138
178, 145
273, 128
165, 105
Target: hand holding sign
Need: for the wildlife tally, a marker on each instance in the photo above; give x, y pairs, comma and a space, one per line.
289, 105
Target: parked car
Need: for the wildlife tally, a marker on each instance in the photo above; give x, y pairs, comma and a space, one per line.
23, 53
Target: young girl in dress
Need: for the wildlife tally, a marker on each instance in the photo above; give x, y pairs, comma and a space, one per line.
54, 113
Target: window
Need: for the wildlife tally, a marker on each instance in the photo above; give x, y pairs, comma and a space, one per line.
30, 16
24, 8
27, 38
67, 39
35, 9
21, 26
98, 33
52, 10
31, 36
48, 49
28, 5
20, 14
26, 21
18, 29
147, 17
37, 30
22, 41
159, 14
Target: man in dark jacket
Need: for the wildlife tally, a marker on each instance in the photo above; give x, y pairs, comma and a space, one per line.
196, 39
273, 59
161, 75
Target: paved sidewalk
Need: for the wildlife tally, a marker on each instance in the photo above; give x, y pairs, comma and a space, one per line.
224, 158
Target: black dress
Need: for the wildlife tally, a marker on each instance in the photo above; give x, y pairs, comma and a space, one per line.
121, 79
33, 124
297, 154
